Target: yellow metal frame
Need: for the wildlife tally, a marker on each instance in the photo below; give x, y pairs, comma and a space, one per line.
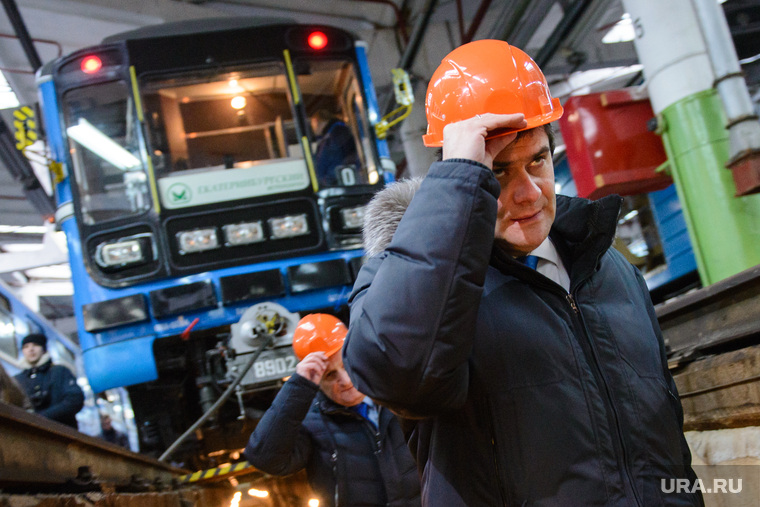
297, 100
402, 89
140, 118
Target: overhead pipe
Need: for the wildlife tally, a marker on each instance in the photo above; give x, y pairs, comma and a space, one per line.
15, 161
460, 19
418, 158
475, 24
561, 31
411, 50
410, 53
400, 22
509, 28
743, 126
23, 35
45, 41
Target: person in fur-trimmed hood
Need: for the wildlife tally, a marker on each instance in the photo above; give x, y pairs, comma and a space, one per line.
52, 389
522, 351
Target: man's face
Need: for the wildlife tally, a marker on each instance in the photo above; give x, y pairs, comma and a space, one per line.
317, 125
337, 386
32, 352
527, 203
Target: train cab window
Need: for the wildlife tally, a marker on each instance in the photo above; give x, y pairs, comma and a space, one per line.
8, 344
341, 144
105, 149
203, 123
220, 137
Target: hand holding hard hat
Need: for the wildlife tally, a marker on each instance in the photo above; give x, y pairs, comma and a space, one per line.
317, 337
485, 85
469, 139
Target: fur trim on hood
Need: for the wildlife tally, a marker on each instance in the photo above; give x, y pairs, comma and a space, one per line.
384, 212
44, 358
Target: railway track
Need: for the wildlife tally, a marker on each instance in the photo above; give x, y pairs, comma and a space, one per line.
44, 460
714, 318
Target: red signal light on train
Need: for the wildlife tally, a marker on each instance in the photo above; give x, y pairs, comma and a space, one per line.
317, 40
91, 64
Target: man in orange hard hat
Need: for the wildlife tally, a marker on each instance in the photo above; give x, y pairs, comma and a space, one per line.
354, 452
497, 318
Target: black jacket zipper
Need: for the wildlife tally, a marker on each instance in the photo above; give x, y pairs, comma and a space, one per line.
495, 450
546, 283
600, 374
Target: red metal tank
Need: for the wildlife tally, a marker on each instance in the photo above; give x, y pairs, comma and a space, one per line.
609, 148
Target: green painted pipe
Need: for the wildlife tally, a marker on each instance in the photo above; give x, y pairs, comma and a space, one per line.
724, 229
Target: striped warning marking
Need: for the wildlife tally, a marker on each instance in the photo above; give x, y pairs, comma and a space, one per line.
212, 473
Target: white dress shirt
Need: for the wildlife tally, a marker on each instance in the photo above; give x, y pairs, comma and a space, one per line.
550, 264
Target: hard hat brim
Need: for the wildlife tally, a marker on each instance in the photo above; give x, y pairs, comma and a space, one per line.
436, 141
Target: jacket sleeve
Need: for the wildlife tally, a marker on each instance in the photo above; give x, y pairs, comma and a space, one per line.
280, 445
414, 307
671, 385
67, 398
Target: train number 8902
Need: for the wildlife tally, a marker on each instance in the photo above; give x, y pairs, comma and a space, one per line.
273, 367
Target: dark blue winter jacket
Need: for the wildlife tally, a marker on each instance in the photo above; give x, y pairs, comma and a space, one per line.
53, 391
523, 394
305, 429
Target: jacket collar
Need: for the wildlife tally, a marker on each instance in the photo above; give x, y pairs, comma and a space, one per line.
42, 365
329, 407
584, 231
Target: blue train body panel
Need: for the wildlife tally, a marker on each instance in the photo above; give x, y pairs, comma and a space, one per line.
674, 237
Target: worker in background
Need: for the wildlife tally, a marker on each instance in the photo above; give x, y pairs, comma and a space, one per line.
52, 389
336, 148
498, 320
354, 451
110, 434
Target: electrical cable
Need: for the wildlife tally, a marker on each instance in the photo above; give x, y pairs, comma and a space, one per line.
268, 340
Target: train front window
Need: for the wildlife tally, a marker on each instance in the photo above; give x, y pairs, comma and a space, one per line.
219, 137
342, 149
105, 150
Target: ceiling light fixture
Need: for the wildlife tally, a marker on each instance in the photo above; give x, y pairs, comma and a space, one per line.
622, 31
101, 145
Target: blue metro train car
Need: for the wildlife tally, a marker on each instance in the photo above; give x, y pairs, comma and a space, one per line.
194, 186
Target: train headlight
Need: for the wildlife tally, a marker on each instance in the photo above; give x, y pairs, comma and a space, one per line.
119, 253
352, 218
243, 234
289, 226
197, 240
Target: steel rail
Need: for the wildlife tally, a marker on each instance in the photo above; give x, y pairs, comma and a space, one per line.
40, 453
716, 316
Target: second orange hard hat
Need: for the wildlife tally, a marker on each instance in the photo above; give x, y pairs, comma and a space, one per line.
318, 332
487, 76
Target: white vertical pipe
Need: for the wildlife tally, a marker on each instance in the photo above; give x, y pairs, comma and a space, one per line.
743, 127
671, 48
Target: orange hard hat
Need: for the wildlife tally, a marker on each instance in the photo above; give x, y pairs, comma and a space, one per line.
487, 76
318, 332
